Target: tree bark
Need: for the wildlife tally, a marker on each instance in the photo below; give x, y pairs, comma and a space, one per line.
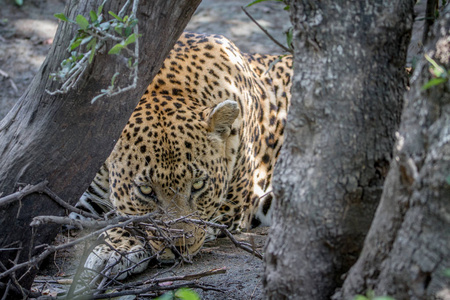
346, 105
63, 138
407, 250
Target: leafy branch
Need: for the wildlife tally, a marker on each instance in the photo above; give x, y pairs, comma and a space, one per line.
288, 33
441, 75
91, 37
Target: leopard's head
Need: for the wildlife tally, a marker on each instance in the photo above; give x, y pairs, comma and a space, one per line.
175, 160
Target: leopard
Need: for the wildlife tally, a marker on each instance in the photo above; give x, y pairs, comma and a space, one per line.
202, 143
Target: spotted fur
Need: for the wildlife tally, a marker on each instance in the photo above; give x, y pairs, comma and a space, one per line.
202, 142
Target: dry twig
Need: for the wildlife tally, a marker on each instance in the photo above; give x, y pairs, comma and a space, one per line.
223, 228
189, 276
81, 224
66, 205
51, 249
152, 288
42, 187
163, 227
157, 284
27, 190
266, 32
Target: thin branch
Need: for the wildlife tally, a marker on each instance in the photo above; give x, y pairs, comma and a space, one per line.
189, 276
65, 281
51, 249
8, 286
124, 9
80, 224
42, 187
120, 221
151, 288
25, 191
76, 278
4, 74
66, 205
266, 32
223, 228
169, 239
15, 290
13, 277
10, 249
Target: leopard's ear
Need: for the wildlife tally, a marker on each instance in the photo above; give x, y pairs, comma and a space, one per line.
222, 117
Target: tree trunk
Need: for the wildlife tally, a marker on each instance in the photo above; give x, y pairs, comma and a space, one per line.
407, 250
346, 104
63, 138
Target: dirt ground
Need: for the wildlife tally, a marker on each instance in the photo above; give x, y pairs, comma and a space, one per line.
241, 280
26, 34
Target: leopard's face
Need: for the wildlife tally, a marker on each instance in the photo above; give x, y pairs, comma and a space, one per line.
177, 163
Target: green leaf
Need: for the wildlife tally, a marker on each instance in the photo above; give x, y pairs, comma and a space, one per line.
133, 23
92, 44
75, 44
115, 16
131, 39
113, 79
61, 16
105, 26
118, 29
79, 57
438, 70
186, 294
433, 82
116, 49
19, 2
82, 22
128, 31
383, 298
289, 37
258, 1
93, 16
360, 297
85, 40
99, 10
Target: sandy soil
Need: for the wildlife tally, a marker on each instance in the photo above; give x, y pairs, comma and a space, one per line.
26, 35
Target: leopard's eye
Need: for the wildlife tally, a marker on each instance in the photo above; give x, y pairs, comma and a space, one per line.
198, 184
145, 190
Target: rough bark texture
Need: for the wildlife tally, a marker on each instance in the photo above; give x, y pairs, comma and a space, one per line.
63, 138
346, 105
407, 248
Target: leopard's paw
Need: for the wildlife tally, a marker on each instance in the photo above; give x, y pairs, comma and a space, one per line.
116, 262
